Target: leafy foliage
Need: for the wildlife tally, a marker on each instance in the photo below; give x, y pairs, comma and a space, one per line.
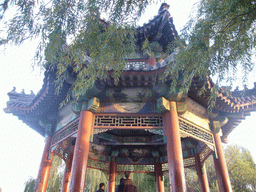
55, 177
30, 185
93, 178
219, 39
216, 42
56, 174
57, 22
241, 168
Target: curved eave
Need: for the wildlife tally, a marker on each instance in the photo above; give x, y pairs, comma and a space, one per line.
225, 101
233, 121
234, 106
43, 104
43, 98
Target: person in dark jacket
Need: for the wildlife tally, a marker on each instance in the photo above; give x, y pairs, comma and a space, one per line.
101, 187
127, 185
117, 187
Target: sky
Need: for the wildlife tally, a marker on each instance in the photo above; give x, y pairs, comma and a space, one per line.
22, 147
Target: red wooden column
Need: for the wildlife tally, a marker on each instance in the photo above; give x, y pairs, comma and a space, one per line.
112, 175
221, 166
174, 150
67, 175
45, 167
202, 176
81, 152
159, 177
218, 172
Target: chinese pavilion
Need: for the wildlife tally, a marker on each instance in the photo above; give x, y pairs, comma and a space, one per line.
137, 125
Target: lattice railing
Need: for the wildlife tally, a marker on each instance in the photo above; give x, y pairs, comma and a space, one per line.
128, 121
65, 132
61, 152
188, 162
153, 122
136, 168
188, 128
104, 166
165, 167
204, 154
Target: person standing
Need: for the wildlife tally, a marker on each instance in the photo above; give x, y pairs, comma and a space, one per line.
117, 187
127, 185
101, 187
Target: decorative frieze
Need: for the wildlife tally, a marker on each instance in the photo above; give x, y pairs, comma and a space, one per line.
128, 100
195, 113
65, 116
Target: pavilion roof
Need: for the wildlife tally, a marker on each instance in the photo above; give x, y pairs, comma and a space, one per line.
160, 29
235, 105
31, 108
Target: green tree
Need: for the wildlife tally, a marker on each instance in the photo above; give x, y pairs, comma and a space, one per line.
55, 177
215, 42
241, 170
56, 174
57, 21
93, 178
30, 185
192, 178
220, 39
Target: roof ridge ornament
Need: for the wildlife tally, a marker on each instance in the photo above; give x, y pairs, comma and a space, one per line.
163, 7
14, 90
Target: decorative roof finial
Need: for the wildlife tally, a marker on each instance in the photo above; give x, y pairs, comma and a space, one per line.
23, 91
31, 92
163, 7
13, 90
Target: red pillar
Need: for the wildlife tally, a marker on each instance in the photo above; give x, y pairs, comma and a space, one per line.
202, 176
112, 175
159, 177
221, 166
174, 150
67, 174
45, 167
81, 152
